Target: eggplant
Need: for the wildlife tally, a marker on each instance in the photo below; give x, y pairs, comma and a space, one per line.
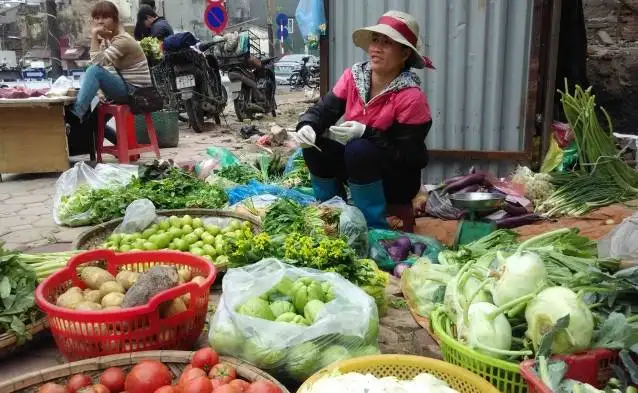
397, 253
517, 221
419, 248
514, 208
477, 178
472, 188
403, 242
399, 268
453, 179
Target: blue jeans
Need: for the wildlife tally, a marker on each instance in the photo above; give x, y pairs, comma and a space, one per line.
98, 78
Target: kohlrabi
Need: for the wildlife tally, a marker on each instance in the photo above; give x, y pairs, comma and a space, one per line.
463, 290
521, 274
549, 306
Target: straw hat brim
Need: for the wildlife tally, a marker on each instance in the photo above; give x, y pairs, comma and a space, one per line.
363, 37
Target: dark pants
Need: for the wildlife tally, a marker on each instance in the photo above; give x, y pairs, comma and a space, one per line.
361, 162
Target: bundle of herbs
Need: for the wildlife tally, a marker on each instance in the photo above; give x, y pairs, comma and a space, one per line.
287, 216
602, 177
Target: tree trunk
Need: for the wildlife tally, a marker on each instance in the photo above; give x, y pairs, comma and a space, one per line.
53, 39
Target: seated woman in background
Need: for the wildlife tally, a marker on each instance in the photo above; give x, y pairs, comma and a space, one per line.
118, 66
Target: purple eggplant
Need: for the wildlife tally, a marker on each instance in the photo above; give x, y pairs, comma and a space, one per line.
515, 222
514, 208
397, 253
472, 188
419, 248
403, 242
477, 178
399, 268
453, 179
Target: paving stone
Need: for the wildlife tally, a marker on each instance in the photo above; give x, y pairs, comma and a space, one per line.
15, 220
10, 208
23, 236
43, 222
4, 197
37, 209
33, 198
66, 235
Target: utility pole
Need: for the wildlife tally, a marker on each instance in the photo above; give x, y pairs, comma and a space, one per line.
53, 39
271, 38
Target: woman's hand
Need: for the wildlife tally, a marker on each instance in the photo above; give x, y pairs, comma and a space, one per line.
306, 137
347, 131
100, 31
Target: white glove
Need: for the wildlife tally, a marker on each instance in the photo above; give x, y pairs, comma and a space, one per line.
347, 131
306, 136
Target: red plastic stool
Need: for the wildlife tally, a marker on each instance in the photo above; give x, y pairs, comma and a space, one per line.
127, 148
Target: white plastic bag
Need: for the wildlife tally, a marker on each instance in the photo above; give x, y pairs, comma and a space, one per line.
73, 185
139, 215
352, 225
60, 87
622, 241
347, 326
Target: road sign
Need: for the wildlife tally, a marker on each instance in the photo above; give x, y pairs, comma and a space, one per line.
216, 17
282, 19
282, 33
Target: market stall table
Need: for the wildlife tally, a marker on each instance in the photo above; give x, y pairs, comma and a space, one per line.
33, 135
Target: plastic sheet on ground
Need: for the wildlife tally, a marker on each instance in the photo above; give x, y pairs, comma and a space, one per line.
253, 188
345, 326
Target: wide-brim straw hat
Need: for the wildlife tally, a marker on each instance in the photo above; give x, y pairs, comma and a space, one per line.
399, 27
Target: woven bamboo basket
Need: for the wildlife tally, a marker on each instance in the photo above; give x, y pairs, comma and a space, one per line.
412, 306
9, 341
176, 361
95, 236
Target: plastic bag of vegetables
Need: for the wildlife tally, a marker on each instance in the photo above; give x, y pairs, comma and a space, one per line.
425, 284
389, 248
352, 225
292, 321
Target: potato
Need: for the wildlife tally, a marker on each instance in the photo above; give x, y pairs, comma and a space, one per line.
184, 274
112, 308
113, 299
92, 295
94, 276
127, 278
70, 299
110, 287
199, 280
186, 298
88, 306
174, 307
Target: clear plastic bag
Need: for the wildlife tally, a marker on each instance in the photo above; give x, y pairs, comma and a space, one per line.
622, 241
352, 225
425, 284
346, 326
73, 185
223, 155
311, 18
253, 188
378, 252
139, 215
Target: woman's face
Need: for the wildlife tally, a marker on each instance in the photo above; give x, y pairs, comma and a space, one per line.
105, 22
386, 55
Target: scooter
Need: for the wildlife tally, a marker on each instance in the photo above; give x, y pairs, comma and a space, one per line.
194, 84
304, 76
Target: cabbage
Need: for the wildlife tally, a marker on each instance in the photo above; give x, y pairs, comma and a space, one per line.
281, 307
426, 283
521, 274
256, 307
547, 308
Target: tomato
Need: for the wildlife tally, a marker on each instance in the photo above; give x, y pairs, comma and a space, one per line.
205, 359
240, 384
147, 376
263, 386
99, 388
166, 389
227, 389
52, 388
87, 389
224, 372
215, 383
190, 375
198, 385
113, 378
78, 381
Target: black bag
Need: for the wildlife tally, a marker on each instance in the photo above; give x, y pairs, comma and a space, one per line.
143, 99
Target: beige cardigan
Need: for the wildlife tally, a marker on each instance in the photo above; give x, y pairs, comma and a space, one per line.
126, 54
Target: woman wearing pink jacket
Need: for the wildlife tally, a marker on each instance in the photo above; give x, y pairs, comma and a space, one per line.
379, 150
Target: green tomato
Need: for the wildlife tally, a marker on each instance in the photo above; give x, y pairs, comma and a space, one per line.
213, 229
209, 258
198, 231
136, 249
208, 249
115, 238
154, 238
135, 236
222, 260
186, 229
154, 227
148, 232
227, 230
174, 232
163, 240
187, 220
219, 249
197, 223
172, 246
150, 246
197, 251
247, 225
210, 239
180, 244
125, 248
164, 225
139, 243
175, 221
190, 238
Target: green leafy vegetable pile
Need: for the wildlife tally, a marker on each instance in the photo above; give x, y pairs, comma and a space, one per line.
240, 173
17, 300
151, 48
167, 188
299, 175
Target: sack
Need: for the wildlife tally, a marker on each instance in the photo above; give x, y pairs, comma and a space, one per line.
352, 225
622, 241
344, 327
70, 185
378, 252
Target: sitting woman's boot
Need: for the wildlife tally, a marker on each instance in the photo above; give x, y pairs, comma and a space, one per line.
370, 199
326, 189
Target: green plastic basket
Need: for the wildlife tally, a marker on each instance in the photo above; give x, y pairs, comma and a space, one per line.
504, 375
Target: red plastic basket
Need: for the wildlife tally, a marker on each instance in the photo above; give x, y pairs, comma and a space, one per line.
592, 367
86, 334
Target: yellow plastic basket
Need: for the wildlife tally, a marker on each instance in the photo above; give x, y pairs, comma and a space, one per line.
406, 367
506, 376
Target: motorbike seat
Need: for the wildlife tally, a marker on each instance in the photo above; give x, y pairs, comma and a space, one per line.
267, 59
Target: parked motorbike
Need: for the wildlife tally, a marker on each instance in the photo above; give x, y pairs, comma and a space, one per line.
194, 83
253, 84
304, 76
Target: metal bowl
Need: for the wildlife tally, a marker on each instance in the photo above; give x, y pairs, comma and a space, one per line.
477, 201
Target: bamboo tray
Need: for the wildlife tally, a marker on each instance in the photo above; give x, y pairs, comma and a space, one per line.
421, 320
95, 236
174, 360
9, 341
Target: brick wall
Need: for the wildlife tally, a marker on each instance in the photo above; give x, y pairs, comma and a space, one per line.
612, 33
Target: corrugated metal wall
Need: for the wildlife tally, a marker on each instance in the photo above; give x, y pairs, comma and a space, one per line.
478, 92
